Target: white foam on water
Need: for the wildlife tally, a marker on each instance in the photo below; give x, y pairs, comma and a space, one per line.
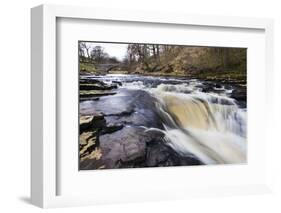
209, 126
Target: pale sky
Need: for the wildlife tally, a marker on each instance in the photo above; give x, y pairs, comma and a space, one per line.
113, 49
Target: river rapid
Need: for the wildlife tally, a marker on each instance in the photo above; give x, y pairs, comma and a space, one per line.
197, 117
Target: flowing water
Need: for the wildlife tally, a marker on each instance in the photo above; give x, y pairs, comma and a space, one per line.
206, 123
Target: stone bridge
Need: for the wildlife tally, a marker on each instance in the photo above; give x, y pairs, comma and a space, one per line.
105, 68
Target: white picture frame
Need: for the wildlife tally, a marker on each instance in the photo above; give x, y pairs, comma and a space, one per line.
44, 154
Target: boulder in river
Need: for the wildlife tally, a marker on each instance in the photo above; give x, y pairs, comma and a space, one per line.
160, 154
240, 95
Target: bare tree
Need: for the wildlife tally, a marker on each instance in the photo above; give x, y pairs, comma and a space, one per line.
85, 48
97, 54
80, 50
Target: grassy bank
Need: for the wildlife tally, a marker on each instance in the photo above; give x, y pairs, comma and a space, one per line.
212, 75
222, 76
87, 68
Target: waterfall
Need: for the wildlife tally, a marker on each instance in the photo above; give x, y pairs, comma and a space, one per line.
209, 126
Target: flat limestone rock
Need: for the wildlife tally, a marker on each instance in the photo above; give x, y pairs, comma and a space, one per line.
86, 119
124, 145
95, 93
96, 87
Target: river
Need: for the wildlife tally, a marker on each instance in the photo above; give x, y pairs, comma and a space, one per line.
197, 117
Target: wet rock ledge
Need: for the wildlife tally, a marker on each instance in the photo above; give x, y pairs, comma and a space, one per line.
121, 146
91, 89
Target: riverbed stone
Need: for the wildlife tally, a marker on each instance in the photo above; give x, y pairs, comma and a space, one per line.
159, 153
125, 145
240, 95
129, 107
97, 87
146, 118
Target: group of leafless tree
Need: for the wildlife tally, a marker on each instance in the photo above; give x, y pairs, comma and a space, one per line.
94, 54
155, 57
148, 56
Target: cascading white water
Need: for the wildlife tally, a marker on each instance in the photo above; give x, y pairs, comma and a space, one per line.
209, 126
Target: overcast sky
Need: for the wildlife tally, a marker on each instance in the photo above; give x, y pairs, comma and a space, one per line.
116, 50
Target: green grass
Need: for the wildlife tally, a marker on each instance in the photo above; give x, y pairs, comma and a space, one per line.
86, 67
237, 74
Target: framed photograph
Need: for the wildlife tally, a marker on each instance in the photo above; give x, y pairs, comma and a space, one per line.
130, 106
